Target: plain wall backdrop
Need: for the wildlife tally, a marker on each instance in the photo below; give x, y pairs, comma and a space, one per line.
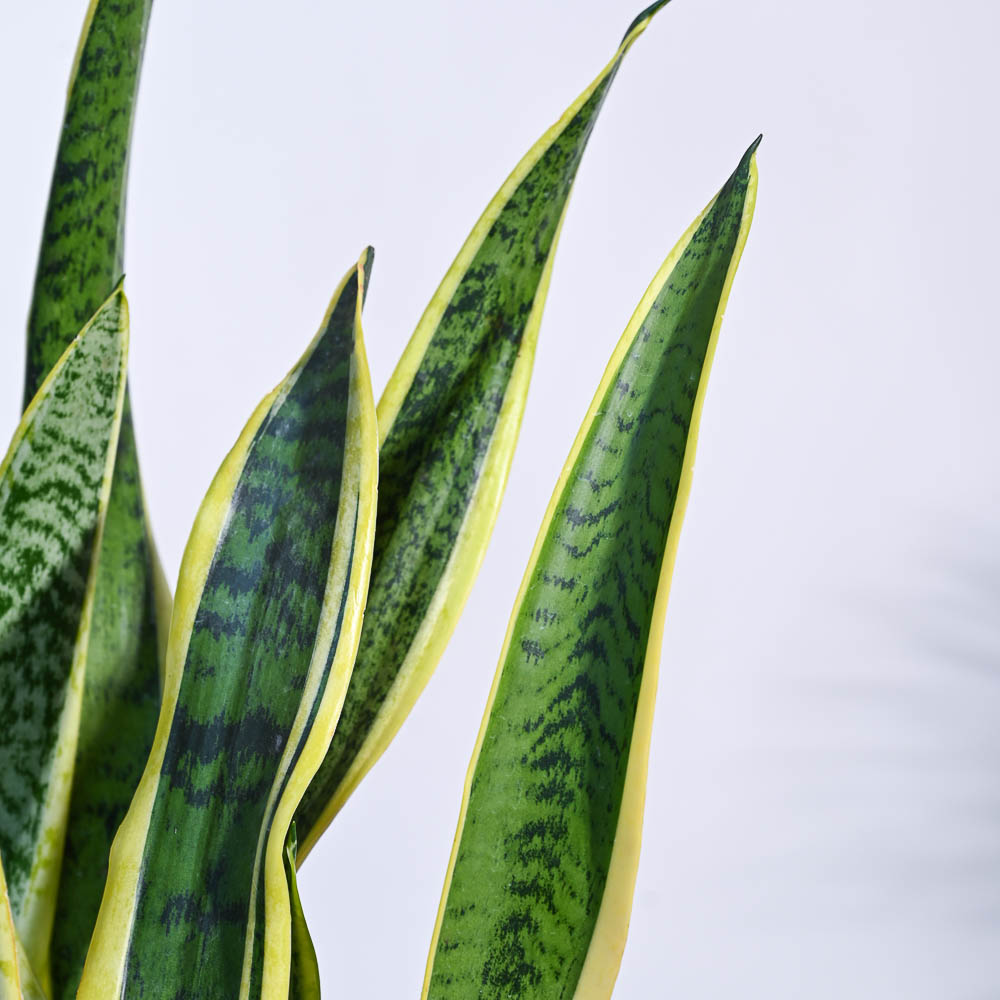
823, 814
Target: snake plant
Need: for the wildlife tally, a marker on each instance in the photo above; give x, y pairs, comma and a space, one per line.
167, 765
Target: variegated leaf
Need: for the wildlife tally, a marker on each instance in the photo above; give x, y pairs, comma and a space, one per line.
539, 886
80, 262
54, 488
261, 646
448, 424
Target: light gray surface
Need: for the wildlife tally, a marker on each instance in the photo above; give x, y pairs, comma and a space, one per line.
823, 812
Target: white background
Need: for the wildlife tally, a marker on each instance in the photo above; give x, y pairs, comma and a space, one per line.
824, 803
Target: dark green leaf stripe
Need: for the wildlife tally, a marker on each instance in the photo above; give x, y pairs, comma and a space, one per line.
540, 884
448, 422
80, 261
54, 487
261, 645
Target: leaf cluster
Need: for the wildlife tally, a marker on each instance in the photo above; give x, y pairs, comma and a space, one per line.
168, 762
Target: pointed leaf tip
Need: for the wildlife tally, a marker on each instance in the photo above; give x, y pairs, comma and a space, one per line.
365, 262
646, 15
748, 156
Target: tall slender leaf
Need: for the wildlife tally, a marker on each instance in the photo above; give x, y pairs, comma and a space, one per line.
448, 423
82, 250
261, 645
80, 261
54, 486
539, 887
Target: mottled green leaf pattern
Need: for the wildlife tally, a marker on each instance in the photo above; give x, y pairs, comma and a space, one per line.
246, 666
247, 677
80, 261
120, 704
82, 250
543, 809
53, 493
448, 444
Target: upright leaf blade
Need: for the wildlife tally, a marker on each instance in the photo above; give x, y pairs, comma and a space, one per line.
262, 640
80, 260
448, 423
54, 486
82, 251
540, 882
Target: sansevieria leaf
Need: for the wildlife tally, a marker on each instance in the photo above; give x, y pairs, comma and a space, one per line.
80, 261
448, 424
54, 486
17, 980
262, 641
82, 250
539, 887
